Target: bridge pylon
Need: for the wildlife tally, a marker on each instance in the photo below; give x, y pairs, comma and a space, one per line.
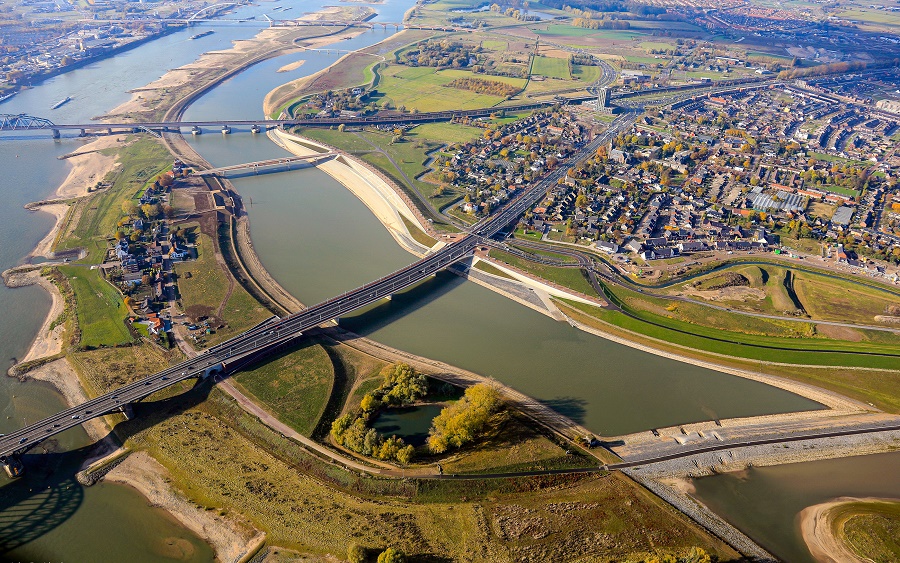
13, 466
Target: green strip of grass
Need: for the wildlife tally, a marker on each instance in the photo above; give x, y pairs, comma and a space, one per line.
572, 278
100, 308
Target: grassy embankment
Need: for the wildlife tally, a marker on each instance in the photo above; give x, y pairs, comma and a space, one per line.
728, 333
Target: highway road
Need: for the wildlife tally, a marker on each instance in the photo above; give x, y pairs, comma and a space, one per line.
275, 332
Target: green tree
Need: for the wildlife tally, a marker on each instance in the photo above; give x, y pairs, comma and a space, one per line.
356, 553
462, 421
391, 555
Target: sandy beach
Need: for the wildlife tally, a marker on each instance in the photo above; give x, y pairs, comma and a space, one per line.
229, 537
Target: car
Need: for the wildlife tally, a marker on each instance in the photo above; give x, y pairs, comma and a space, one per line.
76, 416
88, 412
50, 430
23, 440
165, 378
56, 425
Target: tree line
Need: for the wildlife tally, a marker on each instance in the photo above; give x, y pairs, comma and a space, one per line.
482, 86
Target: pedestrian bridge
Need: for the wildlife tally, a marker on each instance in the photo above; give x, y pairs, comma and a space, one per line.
265, 164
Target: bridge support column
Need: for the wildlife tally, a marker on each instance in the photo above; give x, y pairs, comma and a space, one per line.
128, 410
109, 131
82, 133
13, 467
55, 133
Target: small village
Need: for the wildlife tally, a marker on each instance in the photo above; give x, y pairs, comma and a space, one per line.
792, 169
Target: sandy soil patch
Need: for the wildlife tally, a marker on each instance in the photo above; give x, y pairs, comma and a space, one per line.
292, 66
230, 538
840, 333
89, 166
818, 529
62, 375
733, 293
58, 210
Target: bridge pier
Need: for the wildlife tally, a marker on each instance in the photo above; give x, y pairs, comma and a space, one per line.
13, 467
82, 133
55, 133
128, 410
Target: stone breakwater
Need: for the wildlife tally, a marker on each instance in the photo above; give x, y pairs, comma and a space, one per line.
704, 517
671, 479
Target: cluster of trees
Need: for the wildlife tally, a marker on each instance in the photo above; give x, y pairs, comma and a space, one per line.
590, 23
461, 422
482, 86
833, 68
402, 385
443, 53
845, 176
342, 100
358, 554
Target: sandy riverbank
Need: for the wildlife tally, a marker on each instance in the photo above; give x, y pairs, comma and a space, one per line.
821, 532
47, 342
381, 199
88, 166
229, 537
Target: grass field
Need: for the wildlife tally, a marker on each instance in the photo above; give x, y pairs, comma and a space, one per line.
765, 348
105, 369
304, 504
551, 67
93, 219
206, 292
562, 30
202, 282
566, 277
100, 308
294, 386
834, 300
869, 529
656, 45
425, 89
586, 74
445, 132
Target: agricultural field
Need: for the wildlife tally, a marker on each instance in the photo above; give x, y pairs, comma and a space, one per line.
563, 31
426, 89
294, 386
100, 308
551, 67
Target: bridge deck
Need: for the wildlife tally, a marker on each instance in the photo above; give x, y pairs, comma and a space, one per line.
263, 163
276, 332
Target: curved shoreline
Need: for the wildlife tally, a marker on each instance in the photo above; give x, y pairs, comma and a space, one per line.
822, 534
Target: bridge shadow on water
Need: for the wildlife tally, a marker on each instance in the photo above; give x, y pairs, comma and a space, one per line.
401, 304
571, 407
48, 494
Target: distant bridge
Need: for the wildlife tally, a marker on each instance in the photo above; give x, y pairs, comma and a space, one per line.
255, 166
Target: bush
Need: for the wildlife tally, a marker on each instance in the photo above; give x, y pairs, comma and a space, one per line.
356, 553
461, 422
391, 555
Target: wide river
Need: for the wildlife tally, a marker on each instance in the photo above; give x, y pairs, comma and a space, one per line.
317, 239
